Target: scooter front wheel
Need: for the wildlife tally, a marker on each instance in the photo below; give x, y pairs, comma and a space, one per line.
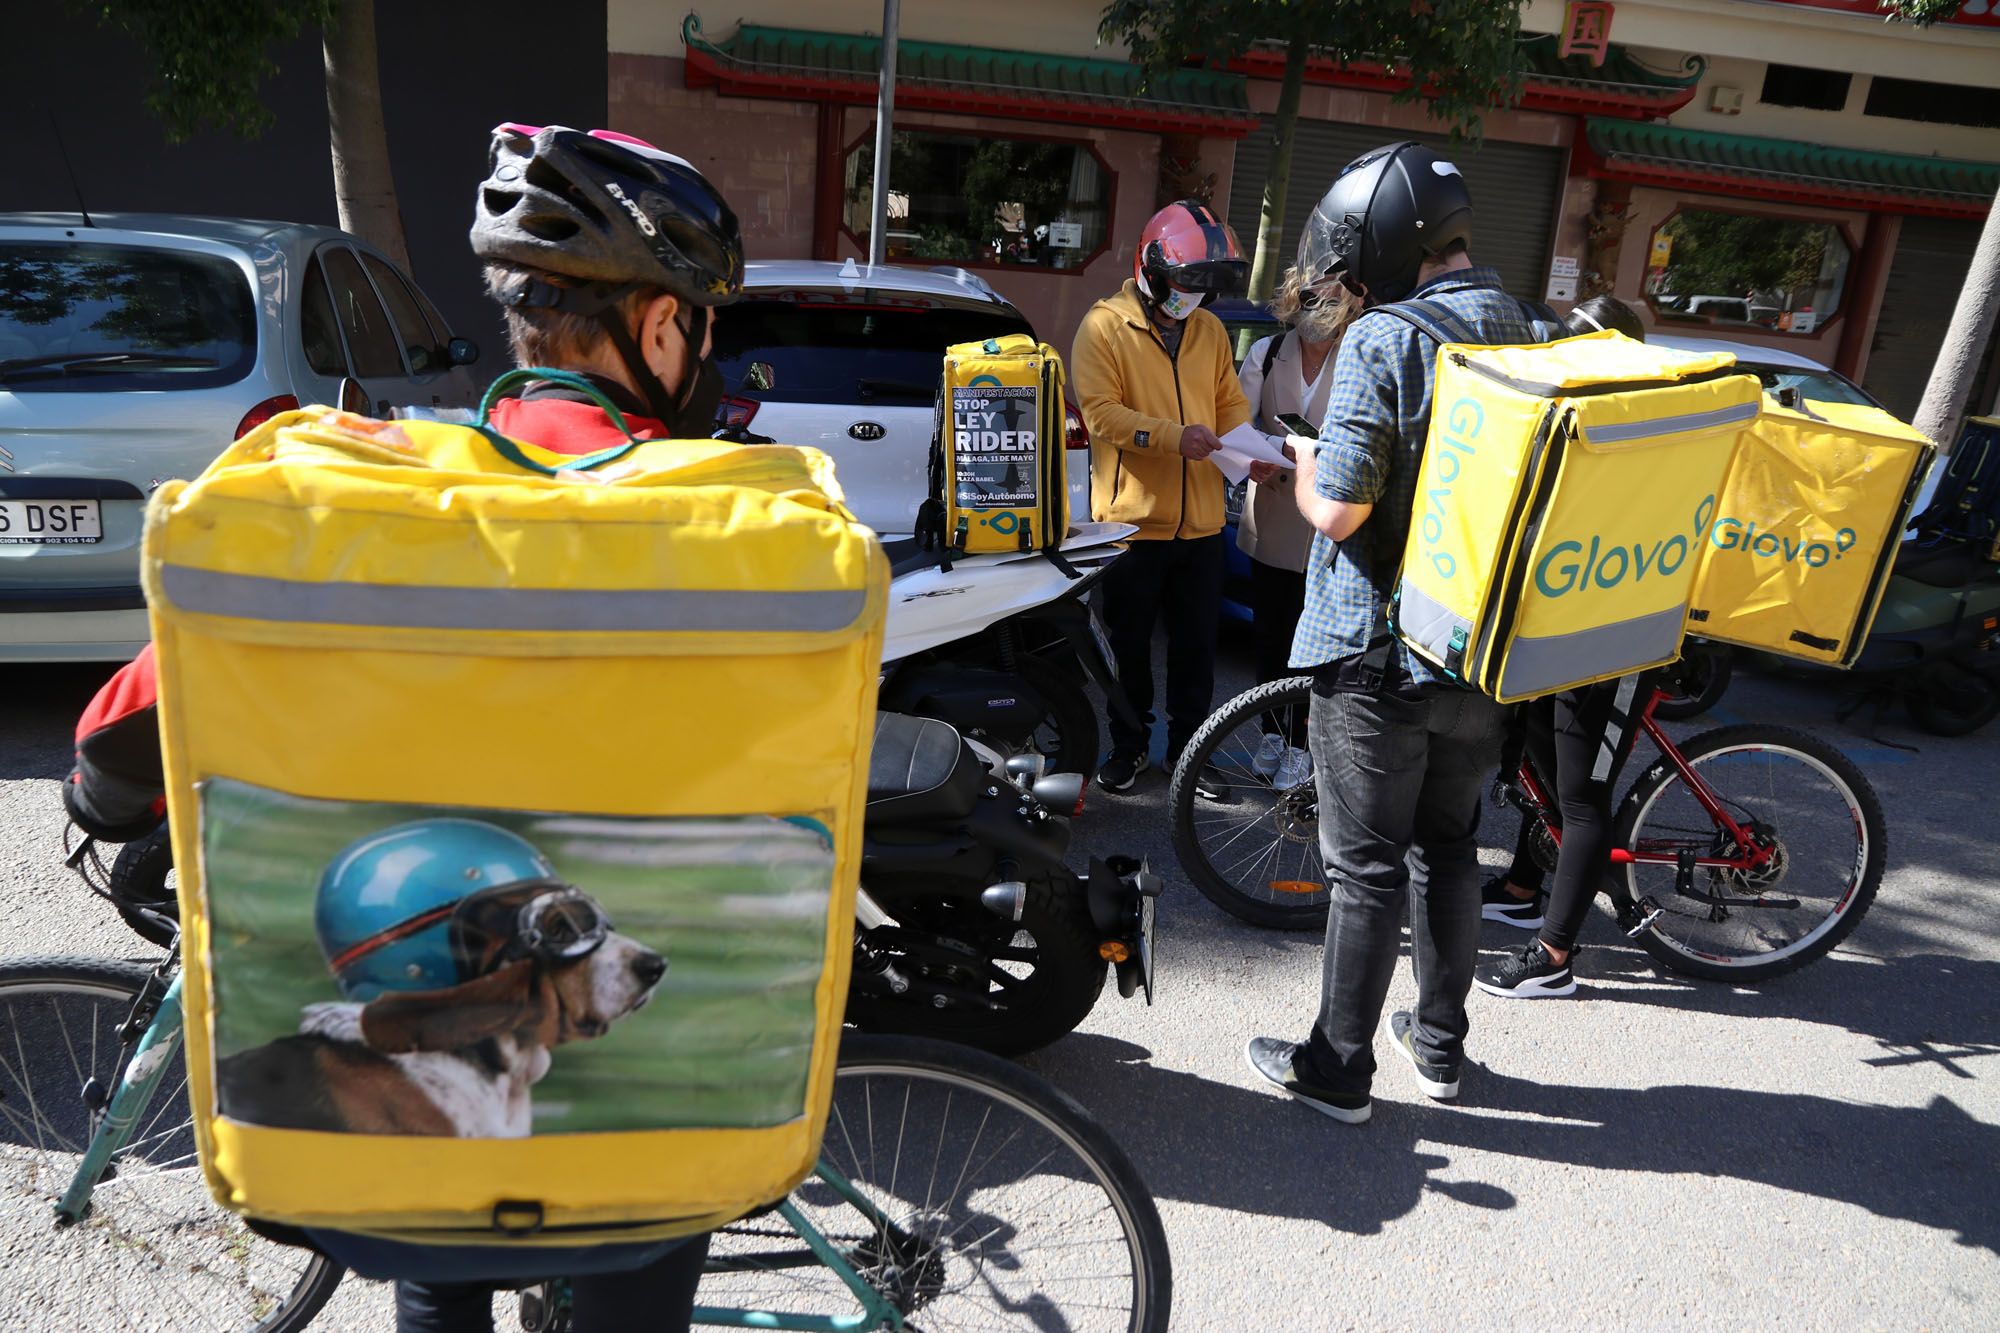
1953, 700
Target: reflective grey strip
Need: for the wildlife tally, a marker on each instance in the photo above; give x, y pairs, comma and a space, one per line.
553, 610
1427, 623
1657, 426
1557, 661
1614, 728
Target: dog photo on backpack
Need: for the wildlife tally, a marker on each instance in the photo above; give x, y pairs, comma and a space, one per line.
400, 969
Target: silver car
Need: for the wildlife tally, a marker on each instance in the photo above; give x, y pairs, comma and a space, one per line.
133, 348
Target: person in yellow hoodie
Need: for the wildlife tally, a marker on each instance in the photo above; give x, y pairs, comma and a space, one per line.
1157, 385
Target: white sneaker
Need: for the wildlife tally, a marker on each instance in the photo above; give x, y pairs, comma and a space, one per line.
1294, 770
1269, 755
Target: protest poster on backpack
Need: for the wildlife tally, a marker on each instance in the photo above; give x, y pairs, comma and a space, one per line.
994, 445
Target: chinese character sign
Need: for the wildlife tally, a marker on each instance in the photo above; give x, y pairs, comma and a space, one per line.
1586, 30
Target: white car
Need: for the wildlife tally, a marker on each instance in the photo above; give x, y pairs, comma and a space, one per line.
857, 353
133, 348
1783, 371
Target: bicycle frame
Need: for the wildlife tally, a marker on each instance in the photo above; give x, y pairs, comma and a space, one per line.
162, 1037
1750, 853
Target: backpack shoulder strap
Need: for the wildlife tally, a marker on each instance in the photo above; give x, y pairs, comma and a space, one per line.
1271, 352
1432, 319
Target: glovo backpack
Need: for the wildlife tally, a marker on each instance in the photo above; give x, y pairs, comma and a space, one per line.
1566, 493
517, 804
1807, 529
997, 475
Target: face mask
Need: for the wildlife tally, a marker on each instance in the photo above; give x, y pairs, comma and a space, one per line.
1178, 304
694, 419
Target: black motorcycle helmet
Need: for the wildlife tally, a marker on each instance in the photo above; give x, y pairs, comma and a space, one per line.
615, 215
1388, 210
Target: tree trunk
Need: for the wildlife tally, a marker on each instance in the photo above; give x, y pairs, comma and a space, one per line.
1264, 270
364, 187
1957, 366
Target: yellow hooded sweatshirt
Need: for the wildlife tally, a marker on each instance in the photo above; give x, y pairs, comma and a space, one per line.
1136, 398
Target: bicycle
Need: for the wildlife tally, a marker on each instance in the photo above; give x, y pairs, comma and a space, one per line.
1701, 843
951, 1184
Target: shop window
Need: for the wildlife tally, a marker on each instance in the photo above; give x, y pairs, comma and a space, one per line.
1813, 89
1786, 275
1936, 103
973, 199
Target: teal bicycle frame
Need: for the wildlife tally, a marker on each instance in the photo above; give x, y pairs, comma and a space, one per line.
155, 1052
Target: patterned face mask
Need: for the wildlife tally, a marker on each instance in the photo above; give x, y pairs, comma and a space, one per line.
1177, 304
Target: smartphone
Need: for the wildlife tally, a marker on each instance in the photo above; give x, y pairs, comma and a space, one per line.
1298, 425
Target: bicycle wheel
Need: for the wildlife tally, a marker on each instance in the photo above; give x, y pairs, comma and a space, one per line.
1254, 850
1791, 788
998, 1202
154, 1252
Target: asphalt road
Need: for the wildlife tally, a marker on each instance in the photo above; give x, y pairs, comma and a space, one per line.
1823, 1150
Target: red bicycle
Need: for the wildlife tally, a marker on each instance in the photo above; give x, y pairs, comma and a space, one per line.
1739, 854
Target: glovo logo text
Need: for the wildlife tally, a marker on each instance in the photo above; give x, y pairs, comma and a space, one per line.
1733, 534
1457, 442
1572, 567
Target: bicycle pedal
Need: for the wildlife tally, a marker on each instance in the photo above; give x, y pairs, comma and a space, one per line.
1650, 912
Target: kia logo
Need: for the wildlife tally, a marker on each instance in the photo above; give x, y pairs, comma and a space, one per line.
867, 430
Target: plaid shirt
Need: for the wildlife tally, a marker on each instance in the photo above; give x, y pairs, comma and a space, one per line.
1373, 442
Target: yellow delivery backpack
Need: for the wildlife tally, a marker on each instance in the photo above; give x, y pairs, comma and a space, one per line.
517, 804
1566, 493
998, 481
1807, 530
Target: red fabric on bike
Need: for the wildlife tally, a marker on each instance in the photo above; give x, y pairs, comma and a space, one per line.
116, 791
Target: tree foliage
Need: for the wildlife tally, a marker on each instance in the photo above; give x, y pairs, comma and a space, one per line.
210, 58
1462, 56
1734, 254
1922, 13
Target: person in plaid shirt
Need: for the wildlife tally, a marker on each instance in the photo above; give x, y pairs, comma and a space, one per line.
1400, 752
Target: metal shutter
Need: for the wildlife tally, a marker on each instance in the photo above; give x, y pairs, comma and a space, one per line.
1516, 190
1932, 258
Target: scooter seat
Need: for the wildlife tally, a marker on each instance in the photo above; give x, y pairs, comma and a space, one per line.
1950, 565
920, 769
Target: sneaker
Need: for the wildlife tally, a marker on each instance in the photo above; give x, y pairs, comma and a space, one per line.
1528, 975
1270, 753
1295, 770
1120, 771
1210, 785
1438, 1082
1271, 1060
1497, 904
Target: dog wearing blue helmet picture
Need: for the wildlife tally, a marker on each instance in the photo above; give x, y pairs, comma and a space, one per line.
463, 961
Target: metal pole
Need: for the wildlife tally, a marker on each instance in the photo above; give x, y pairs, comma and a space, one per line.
885, 113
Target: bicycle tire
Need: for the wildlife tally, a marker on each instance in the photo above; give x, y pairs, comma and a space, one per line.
1293, 820
982, 1087
1068, 976
1706, 668
1838, 772
117, 983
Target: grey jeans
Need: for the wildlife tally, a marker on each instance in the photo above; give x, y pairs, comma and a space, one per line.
1399, 786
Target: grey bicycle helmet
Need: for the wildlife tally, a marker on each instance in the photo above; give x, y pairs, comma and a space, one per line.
1386, 212
613, 214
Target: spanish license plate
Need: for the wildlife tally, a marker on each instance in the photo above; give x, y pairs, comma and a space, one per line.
50, 522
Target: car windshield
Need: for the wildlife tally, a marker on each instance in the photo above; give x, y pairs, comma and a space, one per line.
77, 317
1816, 386
825, 348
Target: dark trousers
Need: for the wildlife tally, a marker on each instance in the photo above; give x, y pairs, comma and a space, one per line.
1277, 598
1179, 581
1578, 740
1399, 785
658, 1297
